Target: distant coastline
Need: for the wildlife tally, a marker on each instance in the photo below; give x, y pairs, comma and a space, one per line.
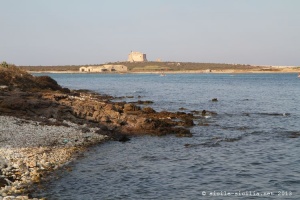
169, 68
227, 71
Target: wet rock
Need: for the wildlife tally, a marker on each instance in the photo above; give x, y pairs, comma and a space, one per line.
123, 138
203, 124
208, 113
188, 122
131, 107
183, 133
144, 102
148, 110
293, 134
187, 145
116, 136
196, 112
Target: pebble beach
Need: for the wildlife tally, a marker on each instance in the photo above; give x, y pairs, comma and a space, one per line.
28, 149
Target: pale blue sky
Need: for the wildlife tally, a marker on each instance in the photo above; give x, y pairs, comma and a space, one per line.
61, 32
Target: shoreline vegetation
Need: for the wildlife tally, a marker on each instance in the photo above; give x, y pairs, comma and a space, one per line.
44, 126
171, 67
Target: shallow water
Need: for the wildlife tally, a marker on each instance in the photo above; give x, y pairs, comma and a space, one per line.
251, 145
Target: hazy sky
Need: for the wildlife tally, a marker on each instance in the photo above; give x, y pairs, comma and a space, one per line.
61, 32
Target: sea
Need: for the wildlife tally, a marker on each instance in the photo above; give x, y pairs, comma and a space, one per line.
249, 150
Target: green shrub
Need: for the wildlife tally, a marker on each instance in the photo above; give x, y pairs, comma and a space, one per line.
4, 64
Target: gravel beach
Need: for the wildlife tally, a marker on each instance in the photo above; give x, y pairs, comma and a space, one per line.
28, 149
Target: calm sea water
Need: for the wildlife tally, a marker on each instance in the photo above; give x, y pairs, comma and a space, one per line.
249, 150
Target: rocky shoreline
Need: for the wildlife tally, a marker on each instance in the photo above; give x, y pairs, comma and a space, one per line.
43, 126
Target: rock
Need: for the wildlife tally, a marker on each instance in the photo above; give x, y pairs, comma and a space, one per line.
85, 130
123, 138
4, 87
9, 198
131, 107
46, 82
66, 90
203, 124
148, 110
184, 135
32, 164
3, 164
182, 108
214, 99
187, 145
59, 97
22, 198
109, 107
144, 102
114, 135
105, 119
188, 122
208, 113
46, 165
3, 182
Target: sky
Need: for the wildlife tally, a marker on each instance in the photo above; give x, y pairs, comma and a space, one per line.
77, 32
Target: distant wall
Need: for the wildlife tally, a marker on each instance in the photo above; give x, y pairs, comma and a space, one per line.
104, 68
137, 57
91, 69
119, 68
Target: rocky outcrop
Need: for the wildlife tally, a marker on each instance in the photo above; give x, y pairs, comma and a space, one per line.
127, 118
37, 97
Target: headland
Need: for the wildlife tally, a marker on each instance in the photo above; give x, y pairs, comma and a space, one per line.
168, 67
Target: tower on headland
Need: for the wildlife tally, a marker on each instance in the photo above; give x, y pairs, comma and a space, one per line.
137, 57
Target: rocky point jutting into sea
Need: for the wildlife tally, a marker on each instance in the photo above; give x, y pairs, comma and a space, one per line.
44, 126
